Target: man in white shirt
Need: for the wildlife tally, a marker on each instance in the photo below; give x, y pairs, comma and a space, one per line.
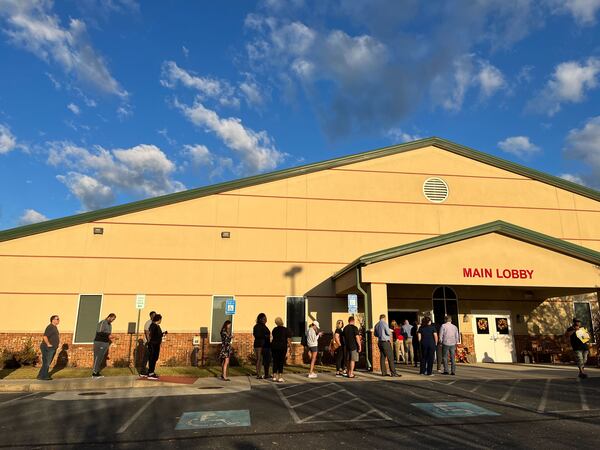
144, 364
449, 337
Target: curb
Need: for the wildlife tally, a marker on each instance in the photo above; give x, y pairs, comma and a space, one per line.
74, 384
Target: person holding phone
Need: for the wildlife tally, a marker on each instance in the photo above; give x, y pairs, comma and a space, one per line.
156, 336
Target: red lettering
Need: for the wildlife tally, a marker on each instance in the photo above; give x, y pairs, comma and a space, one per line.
467, 272
498, 274
506, 273
476, 273
487, 273
522, 273
530, 273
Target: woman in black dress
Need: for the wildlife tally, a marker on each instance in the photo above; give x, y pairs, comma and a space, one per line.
262, 345
340, 352
226, 348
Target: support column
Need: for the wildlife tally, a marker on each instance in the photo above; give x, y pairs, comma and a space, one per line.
378, 305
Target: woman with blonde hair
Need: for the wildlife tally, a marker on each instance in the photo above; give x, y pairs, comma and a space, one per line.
398, 341
340, 351
282, 341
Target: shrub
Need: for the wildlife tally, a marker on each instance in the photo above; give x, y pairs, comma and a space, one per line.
27, 356
121, 362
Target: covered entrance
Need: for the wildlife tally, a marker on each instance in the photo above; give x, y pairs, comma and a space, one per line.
505, 287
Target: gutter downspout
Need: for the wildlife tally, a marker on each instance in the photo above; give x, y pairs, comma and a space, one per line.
367, 318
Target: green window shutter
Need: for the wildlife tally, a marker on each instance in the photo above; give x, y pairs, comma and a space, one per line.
88, 316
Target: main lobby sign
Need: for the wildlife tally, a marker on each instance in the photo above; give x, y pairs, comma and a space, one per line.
498, 273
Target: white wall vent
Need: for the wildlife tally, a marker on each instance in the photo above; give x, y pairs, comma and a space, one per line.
435, 190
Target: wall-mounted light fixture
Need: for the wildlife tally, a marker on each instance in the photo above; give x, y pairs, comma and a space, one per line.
98, 230
465, 318
225, 235
520, 318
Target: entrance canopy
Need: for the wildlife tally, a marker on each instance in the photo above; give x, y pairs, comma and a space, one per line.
494, 254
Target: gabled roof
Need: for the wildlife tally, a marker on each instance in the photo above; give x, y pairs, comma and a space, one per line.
168, 199
498, 226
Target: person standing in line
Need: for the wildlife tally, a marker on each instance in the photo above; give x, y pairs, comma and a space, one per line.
144, 365
281, 343
340, 352
579, 338
415, 342
353, 346
408, 342
428, 338
102, 342
226, 348
398, 342
48, 347
449, 337
312, 339
384, 343
261, 333
156, 336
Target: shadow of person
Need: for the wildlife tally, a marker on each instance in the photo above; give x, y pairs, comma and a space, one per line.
139, 353
62, 360
487, 358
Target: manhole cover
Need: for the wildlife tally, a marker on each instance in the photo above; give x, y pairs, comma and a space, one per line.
211, 387
92, 393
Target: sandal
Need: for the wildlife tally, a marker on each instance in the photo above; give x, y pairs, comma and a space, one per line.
224, 379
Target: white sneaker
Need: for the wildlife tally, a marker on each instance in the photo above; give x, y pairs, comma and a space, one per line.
312, 375
281, 380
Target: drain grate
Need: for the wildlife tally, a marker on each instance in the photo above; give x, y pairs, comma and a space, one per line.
211, 387
92, 393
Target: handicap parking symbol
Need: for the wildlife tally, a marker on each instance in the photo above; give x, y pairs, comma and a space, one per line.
214, 419
454, 409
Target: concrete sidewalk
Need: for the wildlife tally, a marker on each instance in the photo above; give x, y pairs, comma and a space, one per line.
240, 383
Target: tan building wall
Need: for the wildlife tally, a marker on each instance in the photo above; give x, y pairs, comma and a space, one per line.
316, 223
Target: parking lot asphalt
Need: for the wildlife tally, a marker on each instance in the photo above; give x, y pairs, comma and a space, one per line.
416, 412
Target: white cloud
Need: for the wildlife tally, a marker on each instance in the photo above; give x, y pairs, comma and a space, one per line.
8, 141
30, 216
255, 149
399, 136
584, 144
143, 170
572, 178
74, 108
33, 26
520, 146
583, 11
569, 84
186, 51
468, 72
206, 87
199, 154
90, 192
252, 92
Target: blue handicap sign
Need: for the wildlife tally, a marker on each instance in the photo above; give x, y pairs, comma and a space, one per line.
352, 303
454, 409
230, 306
214, 419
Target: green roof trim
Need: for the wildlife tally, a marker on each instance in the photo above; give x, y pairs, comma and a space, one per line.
191, 194
498, 226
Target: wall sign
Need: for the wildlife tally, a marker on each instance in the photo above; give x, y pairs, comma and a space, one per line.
352, 303
489, 272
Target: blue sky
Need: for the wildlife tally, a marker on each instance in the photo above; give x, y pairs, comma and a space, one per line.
106, 102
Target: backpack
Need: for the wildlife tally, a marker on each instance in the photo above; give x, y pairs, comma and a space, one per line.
304, 340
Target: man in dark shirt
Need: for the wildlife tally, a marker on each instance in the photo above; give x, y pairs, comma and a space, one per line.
353, 345
579, 337
48, 347
428, 338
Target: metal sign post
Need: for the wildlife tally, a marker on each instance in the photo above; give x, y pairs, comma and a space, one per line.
140, 303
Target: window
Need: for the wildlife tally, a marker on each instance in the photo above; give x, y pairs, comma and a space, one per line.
584, 313
296, 317
445, 303
219, 317
88, 316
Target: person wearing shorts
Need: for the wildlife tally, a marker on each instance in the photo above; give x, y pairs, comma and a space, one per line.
579, 338
312, 341
353, 345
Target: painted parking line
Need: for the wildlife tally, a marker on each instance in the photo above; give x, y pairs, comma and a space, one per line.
136, 415
509, 391
341, 397
544, 399
15, 400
